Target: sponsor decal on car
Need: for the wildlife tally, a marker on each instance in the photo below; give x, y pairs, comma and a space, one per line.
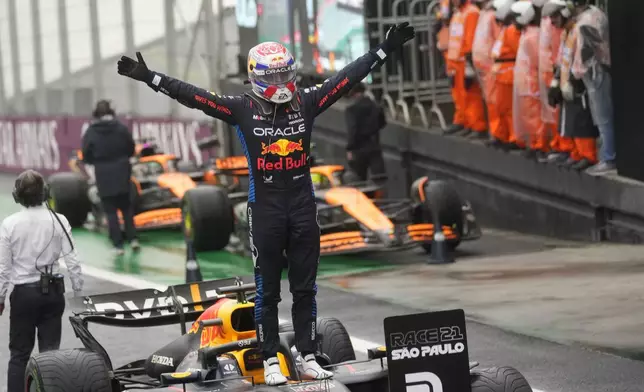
325, 386
181, 375
228, 368
161, 360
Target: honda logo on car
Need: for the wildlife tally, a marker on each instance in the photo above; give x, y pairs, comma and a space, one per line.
288, 131
430, 342
161, 360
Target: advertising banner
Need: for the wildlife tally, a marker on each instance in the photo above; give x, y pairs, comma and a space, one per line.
46, 143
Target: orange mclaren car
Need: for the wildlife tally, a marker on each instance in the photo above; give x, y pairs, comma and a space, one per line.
354, 217
167, 192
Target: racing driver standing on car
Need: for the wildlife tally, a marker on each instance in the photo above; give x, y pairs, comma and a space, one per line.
274, 124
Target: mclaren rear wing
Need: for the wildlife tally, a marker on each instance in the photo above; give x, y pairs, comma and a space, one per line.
149, 307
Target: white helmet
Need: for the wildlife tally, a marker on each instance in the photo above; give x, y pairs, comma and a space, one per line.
554, 6
502, 8
524, 11
272, 72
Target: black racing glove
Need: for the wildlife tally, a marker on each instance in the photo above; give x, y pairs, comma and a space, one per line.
135, 70
397, 36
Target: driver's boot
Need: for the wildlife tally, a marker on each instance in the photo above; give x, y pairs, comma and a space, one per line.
312, 369
272, 372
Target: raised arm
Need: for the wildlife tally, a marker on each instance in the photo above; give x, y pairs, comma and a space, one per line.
318, 99
222, 108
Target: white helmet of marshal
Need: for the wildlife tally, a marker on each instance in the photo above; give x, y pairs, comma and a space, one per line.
272, 71
524, 11
502, 8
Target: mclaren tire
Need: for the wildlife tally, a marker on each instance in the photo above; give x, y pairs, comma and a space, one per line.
499, 379
67, 370
207, 217
68, 195
442, 199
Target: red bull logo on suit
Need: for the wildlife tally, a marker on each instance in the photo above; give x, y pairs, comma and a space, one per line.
283, 148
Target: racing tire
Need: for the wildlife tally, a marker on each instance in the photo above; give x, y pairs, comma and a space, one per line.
442, 198
334, 341
499, 379
68, 196
207, 217
67, 370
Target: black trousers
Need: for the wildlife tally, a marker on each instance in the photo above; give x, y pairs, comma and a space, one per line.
284, 224
364, 161
31, 311
111, 206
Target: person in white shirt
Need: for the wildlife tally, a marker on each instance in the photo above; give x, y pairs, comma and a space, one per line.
31, 243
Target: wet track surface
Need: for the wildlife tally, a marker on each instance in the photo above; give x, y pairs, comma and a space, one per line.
548, 367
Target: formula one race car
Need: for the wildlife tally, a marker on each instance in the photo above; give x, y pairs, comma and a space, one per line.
354, 217
167, 192
219, 352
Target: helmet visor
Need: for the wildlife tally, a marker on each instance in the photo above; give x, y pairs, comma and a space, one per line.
275, 76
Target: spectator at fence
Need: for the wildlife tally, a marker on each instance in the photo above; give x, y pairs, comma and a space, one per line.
504, 53
443, 16
592, 65
487, 30
526, 105
576, 121
108, 145
466, 91
549, 43
364, 118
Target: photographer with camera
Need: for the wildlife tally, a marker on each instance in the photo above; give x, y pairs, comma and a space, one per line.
31, 243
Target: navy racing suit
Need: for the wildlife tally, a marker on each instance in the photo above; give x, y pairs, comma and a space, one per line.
282, 213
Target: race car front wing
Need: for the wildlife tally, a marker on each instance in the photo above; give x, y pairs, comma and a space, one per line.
402, 237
